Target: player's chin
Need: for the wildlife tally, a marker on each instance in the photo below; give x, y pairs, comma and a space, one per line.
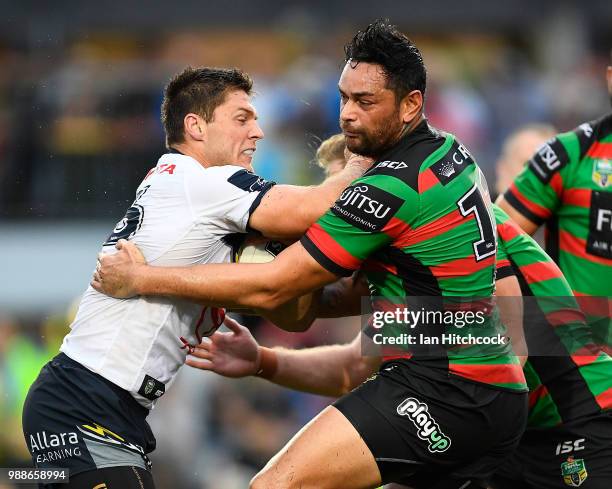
354, 144
245, 162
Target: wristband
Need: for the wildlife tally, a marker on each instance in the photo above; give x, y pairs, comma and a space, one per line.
268, 363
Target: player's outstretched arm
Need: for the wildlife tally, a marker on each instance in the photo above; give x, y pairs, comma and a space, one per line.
326, 370
259, 286
340, 299
287, 211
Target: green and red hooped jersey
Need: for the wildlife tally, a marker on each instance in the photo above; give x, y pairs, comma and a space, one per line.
568, 185
567, 377
419, 223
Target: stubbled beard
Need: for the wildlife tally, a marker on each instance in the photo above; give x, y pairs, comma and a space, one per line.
374, 144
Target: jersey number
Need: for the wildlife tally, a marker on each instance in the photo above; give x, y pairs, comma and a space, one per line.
472, 202
127, 227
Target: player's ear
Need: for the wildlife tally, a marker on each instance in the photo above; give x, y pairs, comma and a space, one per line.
195, 127
410, 106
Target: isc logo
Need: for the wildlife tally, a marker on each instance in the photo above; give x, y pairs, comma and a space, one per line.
570, 446
394, 165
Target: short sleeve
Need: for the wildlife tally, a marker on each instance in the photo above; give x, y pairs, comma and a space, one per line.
363, 220
227, 196
537, 191
503, 266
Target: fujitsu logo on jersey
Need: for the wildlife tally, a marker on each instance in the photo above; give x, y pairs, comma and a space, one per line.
549, 157
356, 197
366, 207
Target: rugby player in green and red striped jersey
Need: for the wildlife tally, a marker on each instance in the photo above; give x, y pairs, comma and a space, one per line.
570, 382
569, 378
568, 185
419, 219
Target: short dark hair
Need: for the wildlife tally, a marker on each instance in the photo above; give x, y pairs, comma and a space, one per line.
381, 43
198, 90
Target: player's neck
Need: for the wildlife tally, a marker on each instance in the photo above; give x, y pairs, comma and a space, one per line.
193, 152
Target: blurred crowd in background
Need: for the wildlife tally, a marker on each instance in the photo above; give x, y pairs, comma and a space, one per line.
79, 128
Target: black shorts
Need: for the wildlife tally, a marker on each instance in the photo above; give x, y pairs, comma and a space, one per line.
76, 419
441, 432
576, 454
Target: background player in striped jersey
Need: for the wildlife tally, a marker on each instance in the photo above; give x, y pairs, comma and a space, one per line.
568, 185
417, 223
570, 381
87, 409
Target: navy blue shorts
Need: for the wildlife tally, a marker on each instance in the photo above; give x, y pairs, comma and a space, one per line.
76, 419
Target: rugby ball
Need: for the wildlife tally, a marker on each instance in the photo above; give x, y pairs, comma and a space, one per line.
258, 251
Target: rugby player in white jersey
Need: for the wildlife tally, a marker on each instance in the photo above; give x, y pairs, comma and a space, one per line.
87, 409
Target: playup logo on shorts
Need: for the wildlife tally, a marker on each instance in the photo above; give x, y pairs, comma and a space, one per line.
427, 428
574, 472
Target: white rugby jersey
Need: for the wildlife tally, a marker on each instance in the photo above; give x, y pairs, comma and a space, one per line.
184, 214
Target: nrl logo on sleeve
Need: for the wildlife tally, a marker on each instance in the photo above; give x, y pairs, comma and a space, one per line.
427, 428
366, 207
574, 472
602, 172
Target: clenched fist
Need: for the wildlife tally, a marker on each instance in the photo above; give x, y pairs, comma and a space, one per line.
116, 275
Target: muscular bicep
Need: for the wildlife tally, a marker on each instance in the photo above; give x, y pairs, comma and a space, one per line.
287, 211
280, 213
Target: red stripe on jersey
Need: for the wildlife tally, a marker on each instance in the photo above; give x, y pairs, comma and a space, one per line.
604, 399
580, 197
509, 230
405, 356
540, 392
576, 246
584, 357
540, 271
501, 373
594, 306
427, 179
326, 245
378, 266
503, 263
537, 209
396, 228
600, 150
432, 229
461, 267
556, 183
565, 316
